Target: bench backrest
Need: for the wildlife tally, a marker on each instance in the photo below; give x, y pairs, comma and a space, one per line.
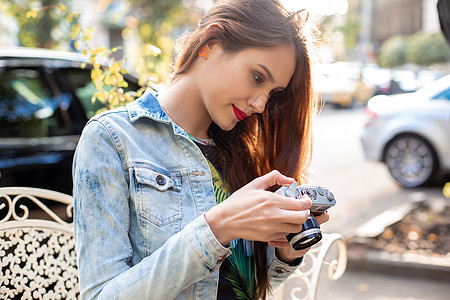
37, 248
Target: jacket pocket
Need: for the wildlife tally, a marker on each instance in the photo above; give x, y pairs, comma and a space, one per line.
159, 195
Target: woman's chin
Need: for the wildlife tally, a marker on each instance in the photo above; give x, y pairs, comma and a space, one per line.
228, 127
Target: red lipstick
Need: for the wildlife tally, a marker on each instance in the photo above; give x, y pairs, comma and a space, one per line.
240, 115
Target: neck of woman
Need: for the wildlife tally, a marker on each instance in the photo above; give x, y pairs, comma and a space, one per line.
183, 104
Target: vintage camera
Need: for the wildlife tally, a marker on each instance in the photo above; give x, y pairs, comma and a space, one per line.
322, 199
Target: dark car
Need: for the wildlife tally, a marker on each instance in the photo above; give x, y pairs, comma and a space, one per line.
45, 101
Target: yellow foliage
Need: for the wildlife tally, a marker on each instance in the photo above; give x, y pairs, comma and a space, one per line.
98, 50
127, 33
446, 190
69, 18
31, 14
107, 73
75, 31
102, 95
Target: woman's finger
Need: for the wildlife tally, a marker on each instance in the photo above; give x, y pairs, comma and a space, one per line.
322, 218
280, 243
289, 203
270, 179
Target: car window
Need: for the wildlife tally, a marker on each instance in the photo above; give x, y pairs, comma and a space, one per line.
443, 95
84, 88
28, 105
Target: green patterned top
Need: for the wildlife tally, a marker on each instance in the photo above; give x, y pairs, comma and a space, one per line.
237, 273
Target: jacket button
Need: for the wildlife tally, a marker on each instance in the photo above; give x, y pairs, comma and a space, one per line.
280, 270
160, 180
220, 259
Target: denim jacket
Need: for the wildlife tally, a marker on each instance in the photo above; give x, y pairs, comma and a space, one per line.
141, 188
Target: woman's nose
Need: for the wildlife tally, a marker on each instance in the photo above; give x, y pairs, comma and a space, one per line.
258, 103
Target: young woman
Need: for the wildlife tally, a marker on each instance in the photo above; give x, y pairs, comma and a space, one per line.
173, 193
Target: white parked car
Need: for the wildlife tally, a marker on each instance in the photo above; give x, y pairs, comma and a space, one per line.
410, 133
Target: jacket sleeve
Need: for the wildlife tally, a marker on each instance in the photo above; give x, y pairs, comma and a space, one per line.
102, 220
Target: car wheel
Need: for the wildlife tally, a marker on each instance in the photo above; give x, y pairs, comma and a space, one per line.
411, 160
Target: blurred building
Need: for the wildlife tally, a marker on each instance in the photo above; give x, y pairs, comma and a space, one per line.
402, 17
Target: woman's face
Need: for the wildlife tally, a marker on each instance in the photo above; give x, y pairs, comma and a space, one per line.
236, 85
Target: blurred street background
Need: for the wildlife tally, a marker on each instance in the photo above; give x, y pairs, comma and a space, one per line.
380, 63
364, 191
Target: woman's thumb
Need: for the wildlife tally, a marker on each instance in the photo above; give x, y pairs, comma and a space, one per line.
270, 179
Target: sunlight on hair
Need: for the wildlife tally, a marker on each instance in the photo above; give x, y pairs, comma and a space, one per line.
202, 4
318, 7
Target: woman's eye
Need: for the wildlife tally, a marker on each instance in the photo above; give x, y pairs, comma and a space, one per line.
258, 79
277, 93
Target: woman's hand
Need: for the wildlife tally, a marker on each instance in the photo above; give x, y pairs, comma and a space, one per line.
256, 214
285, 252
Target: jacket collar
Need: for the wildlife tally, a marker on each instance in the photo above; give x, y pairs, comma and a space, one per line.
148, 106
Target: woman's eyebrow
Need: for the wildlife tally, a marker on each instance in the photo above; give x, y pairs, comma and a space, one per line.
267, 71
269, 74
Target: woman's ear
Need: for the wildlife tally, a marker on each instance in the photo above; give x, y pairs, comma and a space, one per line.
212, 45
213, 33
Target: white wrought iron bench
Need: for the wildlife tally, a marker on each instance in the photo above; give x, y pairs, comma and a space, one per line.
37, 250
329, 256
38, 259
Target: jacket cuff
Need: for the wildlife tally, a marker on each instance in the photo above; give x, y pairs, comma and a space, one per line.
280, 269
277, 268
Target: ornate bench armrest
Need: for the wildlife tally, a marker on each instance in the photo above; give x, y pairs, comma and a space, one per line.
303, 283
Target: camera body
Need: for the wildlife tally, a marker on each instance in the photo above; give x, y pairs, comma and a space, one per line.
322, 199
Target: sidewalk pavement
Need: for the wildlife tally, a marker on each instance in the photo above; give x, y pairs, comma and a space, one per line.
378, 274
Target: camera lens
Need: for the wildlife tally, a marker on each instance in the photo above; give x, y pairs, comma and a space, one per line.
309, 235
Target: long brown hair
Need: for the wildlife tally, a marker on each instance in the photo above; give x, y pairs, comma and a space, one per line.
281, 137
